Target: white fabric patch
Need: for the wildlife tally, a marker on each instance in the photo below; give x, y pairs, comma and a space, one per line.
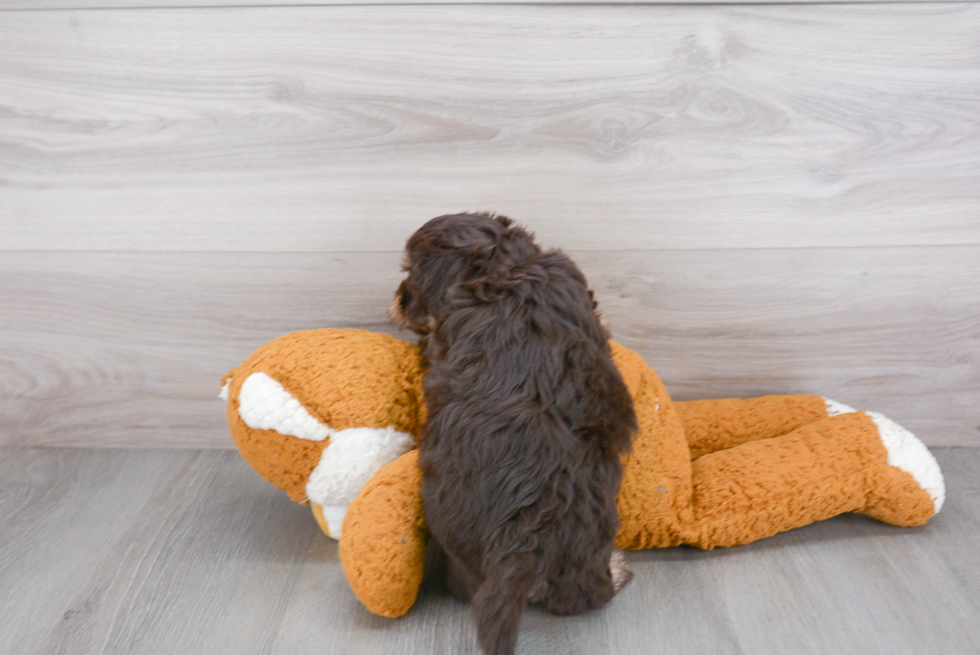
352, 458
224, 390
835, 408
906, 452
264, 404
334, 516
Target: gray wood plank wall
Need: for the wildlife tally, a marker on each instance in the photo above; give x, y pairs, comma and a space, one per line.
169, 4
766, 198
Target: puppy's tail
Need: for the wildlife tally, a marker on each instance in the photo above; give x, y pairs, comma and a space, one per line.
500, 601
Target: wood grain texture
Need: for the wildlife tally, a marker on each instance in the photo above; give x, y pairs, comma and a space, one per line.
111, 349
608, 127
217, 562
891, 330
6, 5
205, 568
61, 514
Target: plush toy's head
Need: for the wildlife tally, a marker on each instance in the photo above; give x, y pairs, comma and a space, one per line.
318, 412
330, 415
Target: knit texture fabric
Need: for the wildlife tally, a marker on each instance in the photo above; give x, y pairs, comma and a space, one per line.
382, 548
343, 379
707, 473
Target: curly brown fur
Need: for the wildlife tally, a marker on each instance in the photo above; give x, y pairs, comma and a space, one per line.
528, 422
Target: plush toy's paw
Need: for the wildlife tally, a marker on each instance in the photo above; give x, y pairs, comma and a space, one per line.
382, 549
330, 519
353, 457
910, 489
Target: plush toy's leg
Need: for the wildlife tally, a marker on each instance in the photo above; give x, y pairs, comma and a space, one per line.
712, 425
382, 547
855, 462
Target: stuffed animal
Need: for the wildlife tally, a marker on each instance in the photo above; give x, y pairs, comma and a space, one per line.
332, 418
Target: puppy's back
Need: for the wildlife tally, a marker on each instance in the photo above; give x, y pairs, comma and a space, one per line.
522, 454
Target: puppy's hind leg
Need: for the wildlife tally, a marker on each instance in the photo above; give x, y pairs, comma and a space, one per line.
621, 575
459, 581
586, 585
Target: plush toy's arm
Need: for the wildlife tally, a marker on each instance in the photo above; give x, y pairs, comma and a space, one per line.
382, 548
713, 425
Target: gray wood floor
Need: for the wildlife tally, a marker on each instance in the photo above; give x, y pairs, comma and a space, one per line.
180, 551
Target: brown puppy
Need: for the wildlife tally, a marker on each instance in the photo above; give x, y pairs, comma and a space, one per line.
528, 422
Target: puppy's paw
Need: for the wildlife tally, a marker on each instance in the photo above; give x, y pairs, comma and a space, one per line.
621, 575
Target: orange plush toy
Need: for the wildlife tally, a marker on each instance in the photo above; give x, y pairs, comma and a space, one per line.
331, 417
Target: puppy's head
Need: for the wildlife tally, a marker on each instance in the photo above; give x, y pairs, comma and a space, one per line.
458, 258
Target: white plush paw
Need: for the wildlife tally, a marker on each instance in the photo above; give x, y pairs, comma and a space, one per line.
835, 408
907, 453
352, 458
333, 516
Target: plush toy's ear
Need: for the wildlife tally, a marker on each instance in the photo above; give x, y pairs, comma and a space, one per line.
382, 548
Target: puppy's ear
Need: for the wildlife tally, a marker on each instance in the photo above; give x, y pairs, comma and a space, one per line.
408, 310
